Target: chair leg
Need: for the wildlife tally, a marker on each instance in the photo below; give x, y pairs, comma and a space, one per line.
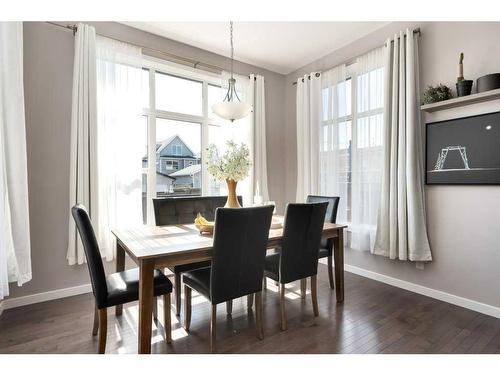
258, 315
330, 272
155, 309
303, 288
168, 321
103, 329
314, 294
250, 301
229, 307
213, 325
177, 287
187, 307
282, 307
264, 283
95, 328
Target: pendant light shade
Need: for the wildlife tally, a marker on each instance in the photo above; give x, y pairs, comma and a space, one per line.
231, 108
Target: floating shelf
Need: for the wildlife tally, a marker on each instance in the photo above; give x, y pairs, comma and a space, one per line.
462, 101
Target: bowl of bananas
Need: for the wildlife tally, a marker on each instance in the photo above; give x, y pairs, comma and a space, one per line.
203, 225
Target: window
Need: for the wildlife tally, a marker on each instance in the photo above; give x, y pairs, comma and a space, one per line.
171, 165
177, 150
176, 94
179, 122
351, 140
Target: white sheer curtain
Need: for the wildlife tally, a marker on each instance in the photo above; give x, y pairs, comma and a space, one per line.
401, 229
367, 148
15, 259
308, 126
119, 129
258, 123
83, 147
350, 144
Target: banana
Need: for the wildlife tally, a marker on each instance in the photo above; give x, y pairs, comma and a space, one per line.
200, 220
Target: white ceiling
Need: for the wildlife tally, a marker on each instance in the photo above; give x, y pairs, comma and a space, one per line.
278, 46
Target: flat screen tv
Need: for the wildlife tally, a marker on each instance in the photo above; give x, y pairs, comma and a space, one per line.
464, 151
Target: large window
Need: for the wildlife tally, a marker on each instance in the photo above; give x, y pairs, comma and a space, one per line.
179, 125
351, 142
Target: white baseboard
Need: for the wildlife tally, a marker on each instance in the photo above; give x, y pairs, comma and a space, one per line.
433, 293
10, 303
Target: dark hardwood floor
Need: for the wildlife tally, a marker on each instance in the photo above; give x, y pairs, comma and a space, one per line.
375, 318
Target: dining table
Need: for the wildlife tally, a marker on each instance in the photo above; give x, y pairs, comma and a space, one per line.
157, 247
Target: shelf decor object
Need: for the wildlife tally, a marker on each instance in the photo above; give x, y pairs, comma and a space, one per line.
434, 94
488, 82
233, 166
464, 86
462, 101
231, 108
464, 151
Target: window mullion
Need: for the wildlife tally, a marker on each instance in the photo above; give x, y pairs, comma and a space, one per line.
205, 180
151, 180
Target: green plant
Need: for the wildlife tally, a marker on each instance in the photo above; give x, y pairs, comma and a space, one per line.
436, 94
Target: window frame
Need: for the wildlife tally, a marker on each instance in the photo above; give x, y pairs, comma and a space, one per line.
154, 65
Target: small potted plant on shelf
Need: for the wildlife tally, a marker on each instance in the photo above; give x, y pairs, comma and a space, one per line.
436, 94
464, 86
233, 166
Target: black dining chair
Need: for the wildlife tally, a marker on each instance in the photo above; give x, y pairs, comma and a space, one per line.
117, 288
297, 258
238, 257
183, 210
326, 245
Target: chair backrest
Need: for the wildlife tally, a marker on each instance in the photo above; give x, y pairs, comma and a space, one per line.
302, 231
183, 210
331, 214
92, 254
333, 206
239, 252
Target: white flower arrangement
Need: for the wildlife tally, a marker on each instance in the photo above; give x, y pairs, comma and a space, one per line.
233, 165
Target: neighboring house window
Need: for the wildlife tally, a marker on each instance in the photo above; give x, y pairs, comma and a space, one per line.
177, 108
177, 150
172, 165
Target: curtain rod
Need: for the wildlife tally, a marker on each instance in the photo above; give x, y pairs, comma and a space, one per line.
153, 52
416, 31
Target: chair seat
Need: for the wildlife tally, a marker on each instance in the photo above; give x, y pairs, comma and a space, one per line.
324, 252
191, 266
123, 287
272, 266
198, 280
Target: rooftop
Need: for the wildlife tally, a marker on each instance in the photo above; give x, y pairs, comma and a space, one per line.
188, 171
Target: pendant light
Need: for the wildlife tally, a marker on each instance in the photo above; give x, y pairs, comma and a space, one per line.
231, 108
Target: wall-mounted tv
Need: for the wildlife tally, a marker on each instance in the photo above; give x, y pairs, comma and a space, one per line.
464, 151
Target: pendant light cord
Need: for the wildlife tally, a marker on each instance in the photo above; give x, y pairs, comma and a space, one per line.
232, 47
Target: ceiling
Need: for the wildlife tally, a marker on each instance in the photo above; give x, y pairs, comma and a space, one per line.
278, 46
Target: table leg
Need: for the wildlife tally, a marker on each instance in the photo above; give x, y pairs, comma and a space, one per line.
338, 255
120, 266
145, 305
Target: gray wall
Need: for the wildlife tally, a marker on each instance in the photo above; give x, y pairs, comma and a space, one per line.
463, 221
48, 65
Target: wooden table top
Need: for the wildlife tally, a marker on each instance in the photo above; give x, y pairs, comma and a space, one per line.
159, 241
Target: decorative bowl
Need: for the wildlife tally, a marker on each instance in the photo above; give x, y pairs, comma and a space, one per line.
206, 228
